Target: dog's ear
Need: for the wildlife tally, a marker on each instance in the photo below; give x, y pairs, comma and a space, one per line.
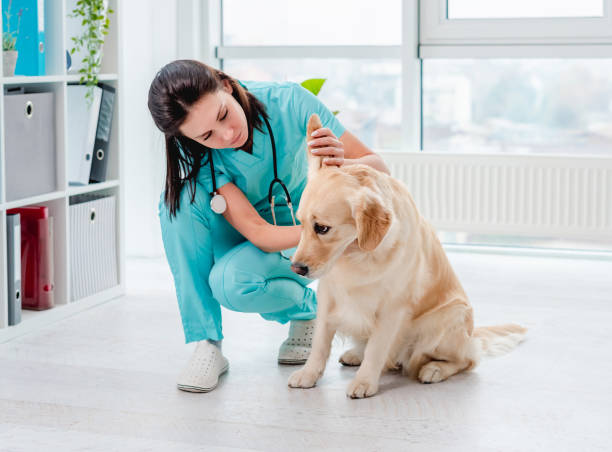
372, 219
314, 162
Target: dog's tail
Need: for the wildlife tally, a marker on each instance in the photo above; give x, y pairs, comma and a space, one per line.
498, 340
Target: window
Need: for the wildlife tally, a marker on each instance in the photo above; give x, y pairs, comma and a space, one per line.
354, 45
373, 115
512, 77
519, 106
515, 22
316, 22
474, 97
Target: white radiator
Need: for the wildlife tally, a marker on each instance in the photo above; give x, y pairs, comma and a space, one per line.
565, 197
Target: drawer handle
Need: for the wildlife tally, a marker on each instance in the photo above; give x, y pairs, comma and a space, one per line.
29, 109
92, 215
100, 154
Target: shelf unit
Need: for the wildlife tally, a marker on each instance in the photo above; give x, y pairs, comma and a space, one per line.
57, 41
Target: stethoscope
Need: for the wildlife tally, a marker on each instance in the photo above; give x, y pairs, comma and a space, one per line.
218, 203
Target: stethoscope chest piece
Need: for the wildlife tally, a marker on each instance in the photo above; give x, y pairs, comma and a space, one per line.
218, 204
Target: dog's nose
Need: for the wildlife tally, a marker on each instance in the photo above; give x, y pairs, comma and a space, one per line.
299, 268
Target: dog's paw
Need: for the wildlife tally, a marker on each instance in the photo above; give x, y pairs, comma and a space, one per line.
303, 378
431, 373
393, 367
351, 357
360, 388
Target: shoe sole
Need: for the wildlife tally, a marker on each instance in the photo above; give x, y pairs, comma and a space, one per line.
199, 389
348, 364
292, 361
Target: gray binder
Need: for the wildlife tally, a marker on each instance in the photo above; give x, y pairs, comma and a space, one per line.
13, 261
81, 138
29, 128
93, 245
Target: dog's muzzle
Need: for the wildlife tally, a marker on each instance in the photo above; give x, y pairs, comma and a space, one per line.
299, 268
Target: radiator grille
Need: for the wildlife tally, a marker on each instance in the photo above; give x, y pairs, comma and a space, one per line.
520, 195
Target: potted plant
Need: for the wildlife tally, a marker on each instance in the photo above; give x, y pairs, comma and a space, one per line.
9, 43
95, 22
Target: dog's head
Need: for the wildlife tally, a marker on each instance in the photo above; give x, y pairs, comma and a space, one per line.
339, 207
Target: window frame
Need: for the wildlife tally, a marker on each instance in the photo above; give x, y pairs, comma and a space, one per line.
427, 33
406, 52
555, 37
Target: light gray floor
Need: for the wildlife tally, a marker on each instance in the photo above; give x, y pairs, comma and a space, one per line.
104, 379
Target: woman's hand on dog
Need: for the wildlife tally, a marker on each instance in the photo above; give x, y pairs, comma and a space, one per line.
324, 143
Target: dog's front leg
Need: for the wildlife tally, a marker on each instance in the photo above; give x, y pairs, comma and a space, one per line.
388, 325
308, 375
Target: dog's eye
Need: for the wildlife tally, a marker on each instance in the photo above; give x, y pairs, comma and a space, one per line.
320, 229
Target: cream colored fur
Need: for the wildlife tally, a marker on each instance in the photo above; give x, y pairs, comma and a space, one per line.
385, 281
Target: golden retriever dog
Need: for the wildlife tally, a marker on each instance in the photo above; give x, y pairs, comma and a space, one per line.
385, 281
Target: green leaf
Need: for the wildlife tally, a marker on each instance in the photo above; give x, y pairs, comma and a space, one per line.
95, 25
313, 85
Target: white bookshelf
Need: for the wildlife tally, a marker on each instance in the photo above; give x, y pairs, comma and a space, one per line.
58, 77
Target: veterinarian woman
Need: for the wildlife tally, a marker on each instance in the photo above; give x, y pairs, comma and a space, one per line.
226, 142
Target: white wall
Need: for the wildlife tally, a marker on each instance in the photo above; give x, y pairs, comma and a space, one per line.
155, 32
149, 40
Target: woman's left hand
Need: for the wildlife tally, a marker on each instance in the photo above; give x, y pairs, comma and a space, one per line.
324, 143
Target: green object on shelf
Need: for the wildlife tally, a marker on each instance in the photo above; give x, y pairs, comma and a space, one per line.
95, 16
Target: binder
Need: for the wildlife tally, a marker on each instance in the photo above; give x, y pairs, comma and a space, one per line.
29, 139
36, 257
13, 261
30, 36
103, 132
82, 126
93, 245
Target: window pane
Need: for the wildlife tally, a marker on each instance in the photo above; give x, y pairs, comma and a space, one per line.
316, 22
518, 106
365, 92
487, 9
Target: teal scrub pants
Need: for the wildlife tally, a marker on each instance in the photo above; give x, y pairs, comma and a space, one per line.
213, 265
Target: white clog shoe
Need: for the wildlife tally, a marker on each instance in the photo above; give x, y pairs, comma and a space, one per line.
296, 348
201, 374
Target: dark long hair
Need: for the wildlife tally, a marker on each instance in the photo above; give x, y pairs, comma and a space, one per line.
175, 88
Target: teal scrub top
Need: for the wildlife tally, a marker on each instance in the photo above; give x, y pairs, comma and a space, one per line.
289, 106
